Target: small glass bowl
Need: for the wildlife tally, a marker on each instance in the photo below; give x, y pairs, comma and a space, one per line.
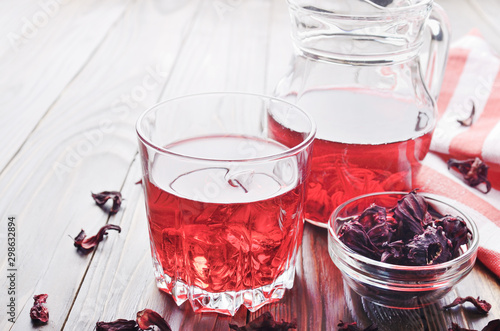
397, 286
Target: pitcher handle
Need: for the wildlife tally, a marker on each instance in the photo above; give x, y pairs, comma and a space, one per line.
439, 27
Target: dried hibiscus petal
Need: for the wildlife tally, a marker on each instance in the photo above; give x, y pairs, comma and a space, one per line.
372, 216
265, 322
468, 121
383, 3
481, 305
118, 325
395, 253
102, 197
493, 325
353, 235
380, 234
456, 231
39, 313
410, 213
374, 221
431, 247
354, 327
474, 171
456, 327
86, 245
147, 318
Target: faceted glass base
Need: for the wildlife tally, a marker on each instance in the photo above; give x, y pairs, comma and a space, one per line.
224, 302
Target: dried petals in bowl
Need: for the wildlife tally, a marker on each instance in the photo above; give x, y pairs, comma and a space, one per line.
402, 250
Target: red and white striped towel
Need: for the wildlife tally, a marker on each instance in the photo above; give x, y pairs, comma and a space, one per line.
472, 77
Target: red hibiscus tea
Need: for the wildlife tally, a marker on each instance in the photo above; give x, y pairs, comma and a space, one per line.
223, 233
225, 206
359, 152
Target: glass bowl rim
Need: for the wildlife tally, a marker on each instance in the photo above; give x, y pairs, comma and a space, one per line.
307, 141
461, 259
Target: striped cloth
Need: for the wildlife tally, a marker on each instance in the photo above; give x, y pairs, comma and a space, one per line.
472, 78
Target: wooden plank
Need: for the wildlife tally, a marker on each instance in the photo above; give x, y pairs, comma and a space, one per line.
85, 143
480, 283
43, 50
280, 50
317, 298
120, 281
467, 15
226, 52
489, 11
228, 62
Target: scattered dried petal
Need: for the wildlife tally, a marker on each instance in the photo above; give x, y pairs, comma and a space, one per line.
102, 197
147, 318
383, 3
468, 121
475, 171
265, 322
354, 327
138, 182
118, 325
456, 327
86, 245
348, 326
482, 306
39, 313
493, 325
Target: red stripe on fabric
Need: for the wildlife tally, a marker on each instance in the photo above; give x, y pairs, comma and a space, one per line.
429, 180
469, 143
454, 69
494, 178
490, 259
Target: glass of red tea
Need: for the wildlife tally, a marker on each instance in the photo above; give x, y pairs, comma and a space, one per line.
224, 198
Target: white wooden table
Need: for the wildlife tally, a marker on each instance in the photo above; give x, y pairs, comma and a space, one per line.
74, 76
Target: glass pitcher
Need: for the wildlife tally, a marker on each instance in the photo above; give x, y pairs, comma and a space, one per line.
369, 72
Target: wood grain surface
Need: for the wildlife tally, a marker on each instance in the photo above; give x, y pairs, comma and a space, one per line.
75, 75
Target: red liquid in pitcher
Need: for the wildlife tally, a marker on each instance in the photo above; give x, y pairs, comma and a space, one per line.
219, 234
358, 150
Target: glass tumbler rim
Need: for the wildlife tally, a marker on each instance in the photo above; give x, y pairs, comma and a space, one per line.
283, 154
459, 260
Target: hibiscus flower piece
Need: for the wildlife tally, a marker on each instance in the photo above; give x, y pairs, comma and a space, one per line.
118, 325
474, 171
39, 313
265, 322
147, 318
482, 306
102, 197
86, 245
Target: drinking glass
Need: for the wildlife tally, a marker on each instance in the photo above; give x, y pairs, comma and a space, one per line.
224, 197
